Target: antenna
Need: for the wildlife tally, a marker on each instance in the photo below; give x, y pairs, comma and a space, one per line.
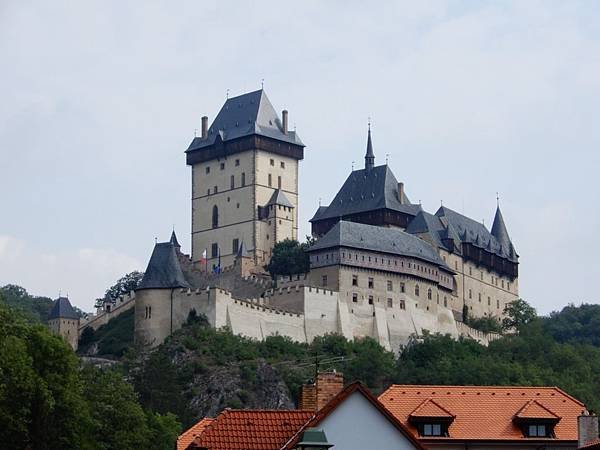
262, 83
369, 122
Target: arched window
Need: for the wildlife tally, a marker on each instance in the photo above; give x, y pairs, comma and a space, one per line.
428, 294
215, 217
417, 290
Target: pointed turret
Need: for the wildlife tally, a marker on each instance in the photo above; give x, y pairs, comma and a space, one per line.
174, 240
499, 230
370, 156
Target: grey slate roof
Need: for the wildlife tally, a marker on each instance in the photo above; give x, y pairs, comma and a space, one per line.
174, 240
164, 269
369, 156
279, 198
367, 190
62, 308
246, 115
379, 239
426, 223
475, 233
499, 230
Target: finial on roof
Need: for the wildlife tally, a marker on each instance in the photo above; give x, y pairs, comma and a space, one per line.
173, 239
370, 156
353, 166
262, 83
227, 94
387, 158
497, 200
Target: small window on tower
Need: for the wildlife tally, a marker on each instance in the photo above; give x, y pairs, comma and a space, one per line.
232, 182
370, 299
214, 250
243, 179
354, 280
390, 285
282, 165
354, 297
272, 162
279, 182
270, 180
402, 287
235, 245
237, 162
371, 283
207, 169
215, 189
390, 302
402, 304
324, 280
222, 166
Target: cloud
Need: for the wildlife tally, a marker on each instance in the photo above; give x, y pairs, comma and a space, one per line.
83, 274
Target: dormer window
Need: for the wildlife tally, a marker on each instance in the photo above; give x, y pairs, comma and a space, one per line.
433, 429
431, 419
537, 430
536, 420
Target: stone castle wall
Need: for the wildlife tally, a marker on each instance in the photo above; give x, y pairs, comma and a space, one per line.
95, 321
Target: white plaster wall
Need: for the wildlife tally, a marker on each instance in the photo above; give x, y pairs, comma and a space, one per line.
357, 425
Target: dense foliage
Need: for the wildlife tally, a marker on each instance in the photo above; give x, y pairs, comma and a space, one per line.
111, 339
123, 286
47, 402
289, 257
33, 309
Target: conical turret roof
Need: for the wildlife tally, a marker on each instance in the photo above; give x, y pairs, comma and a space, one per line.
499, 230
62, 309
369, 156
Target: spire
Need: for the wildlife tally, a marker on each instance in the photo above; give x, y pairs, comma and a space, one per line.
499, 230
369, 157
173, 240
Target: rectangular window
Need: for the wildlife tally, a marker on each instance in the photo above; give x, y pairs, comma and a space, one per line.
272, 162
402, 287
371, 283
470, 295
222, 166
489, 301
497, 304
370, 299
402, 304
207, 169
432, 429
354, 280
243, 179
279, 182
390, 302
324, 280
270, 180
237, 162
216, 190
215, 250
537, 431
390, 286
235, 245
354, 297
282, 165
232, 182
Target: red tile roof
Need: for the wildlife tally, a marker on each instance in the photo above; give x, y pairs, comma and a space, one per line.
186, 438
486, 413
430, 408
251, 429
338, 399
592, 445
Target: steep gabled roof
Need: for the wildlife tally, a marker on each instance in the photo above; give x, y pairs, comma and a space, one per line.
246, 115
367, 190
475, 233
62, 309
279, 198
380, 239
164, 269
174, 240
487, 412
186, 438
251, 429
356, 387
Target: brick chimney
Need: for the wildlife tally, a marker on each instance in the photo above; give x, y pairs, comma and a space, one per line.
587, 428
314, 396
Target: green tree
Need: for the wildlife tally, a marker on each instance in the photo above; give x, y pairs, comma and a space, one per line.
289, 257
41, 401
34, 309
124, 285
518, 313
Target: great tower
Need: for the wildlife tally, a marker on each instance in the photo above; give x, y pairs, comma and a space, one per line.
244, 181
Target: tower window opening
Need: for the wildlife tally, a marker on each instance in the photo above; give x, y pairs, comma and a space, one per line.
215, 217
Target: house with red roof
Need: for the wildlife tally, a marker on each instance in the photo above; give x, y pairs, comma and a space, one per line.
490, 417
352, 420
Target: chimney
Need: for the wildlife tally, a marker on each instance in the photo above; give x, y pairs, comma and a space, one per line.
284, 120
314, 396
204, 127
587, 429
401, 192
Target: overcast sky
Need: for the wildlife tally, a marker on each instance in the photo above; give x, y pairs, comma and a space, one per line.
98, 102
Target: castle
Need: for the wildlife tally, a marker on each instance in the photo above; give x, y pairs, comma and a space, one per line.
381, 266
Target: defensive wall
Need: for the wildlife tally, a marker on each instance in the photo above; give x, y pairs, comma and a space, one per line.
95, 321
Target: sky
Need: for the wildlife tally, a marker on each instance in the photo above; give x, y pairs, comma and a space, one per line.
99, 100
